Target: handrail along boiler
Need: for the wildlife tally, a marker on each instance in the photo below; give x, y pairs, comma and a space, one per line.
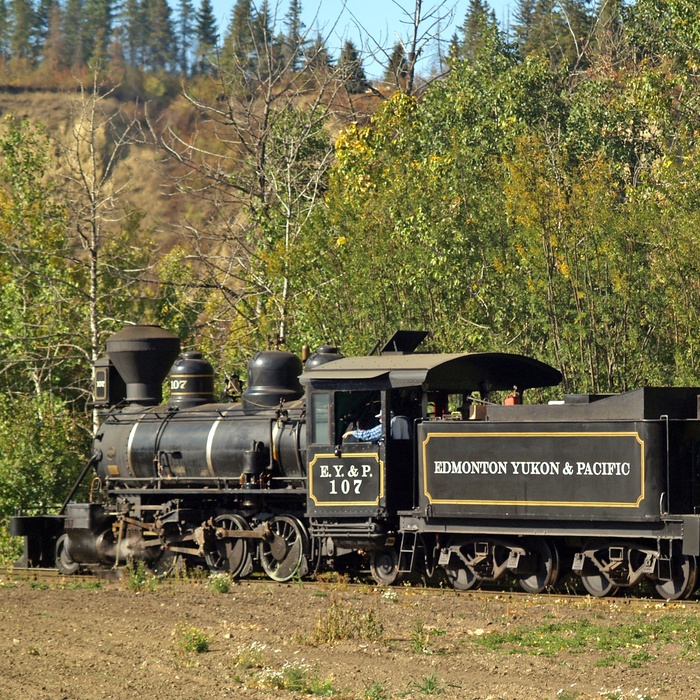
286, 479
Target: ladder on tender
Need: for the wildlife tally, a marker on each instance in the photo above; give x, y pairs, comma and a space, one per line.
410, 542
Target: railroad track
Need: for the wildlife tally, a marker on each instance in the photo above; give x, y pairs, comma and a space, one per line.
52, 577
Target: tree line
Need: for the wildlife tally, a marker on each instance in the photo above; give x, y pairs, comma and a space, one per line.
536, 193
49, 40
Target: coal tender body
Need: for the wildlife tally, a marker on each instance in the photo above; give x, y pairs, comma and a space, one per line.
606, 487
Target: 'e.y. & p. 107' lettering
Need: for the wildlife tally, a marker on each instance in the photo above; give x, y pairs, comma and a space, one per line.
346, 478
338, 471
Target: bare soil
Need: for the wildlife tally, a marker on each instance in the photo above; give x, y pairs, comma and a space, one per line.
70, 640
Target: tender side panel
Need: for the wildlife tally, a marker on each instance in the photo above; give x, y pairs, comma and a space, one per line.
572, 471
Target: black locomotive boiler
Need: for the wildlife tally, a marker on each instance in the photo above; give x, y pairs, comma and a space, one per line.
398, 461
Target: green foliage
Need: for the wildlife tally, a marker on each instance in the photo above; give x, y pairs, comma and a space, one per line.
351, 71
662, 29
41, 452
36, 277
42, 446
190, 639
10, 547
138, 578
518, 207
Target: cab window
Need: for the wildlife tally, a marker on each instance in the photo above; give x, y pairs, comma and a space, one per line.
321, 425
356, 410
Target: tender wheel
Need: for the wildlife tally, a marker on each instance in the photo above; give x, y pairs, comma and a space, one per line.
547, 568
64, 563
384, 567
462, 579
684, 580
282, 555
599, 585
231, 554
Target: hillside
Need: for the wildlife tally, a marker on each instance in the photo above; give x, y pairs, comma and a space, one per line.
146, 178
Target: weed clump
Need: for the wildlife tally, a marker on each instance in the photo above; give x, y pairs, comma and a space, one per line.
219, 582
343, 622
250, 656
421, 637
295, 676
138, 578
190, 640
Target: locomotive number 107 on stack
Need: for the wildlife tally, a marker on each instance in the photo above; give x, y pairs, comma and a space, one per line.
397, 462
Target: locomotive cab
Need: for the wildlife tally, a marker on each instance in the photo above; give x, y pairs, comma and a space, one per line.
362, 450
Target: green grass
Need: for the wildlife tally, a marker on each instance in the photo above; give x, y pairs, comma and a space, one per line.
634, 643
68, 585
376, 691
429, 685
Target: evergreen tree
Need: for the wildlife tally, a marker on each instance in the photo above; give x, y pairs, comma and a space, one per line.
523, 18
262, 27
53, 50
4, 30
397, 68
316, 55
207, 37
160, 42
21, 29
99, 16
455, 50
350, 69
134, 30
74, 31
185, 29
555, 29
267, 47
238, 44
117, 61
479, 19
293, 40
41, 23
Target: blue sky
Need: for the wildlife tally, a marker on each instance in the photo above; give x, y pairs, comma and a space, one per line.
380, 19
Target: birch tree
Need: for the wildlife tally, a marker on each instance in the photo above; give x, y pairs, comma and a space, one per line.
258, 157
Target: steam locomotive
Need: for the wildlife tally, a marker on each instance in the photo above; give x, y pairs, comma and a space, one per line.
294, 476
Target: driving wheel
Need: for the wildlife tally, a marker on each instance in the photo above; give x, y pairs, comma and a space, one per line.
282, 553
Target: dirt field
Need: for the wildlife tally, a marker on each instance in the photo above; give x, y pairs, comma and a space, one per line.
76, 641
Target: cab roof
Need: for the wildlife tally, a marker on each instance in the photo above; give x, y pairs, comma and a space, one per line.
457, 372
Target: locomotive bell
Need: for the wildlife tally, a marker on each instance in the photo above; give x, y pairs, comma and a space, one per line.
143, 355
191, 381
273, 376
